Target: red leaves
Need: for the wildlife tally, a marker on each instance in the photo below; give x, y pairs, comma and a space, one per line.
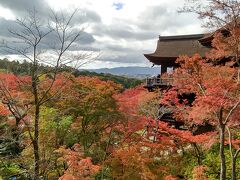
129, 100
4, 111
149, 131
225, 46
190, 73
221, 48
79, 168
131, 163
215, 86
15, 96
171, 134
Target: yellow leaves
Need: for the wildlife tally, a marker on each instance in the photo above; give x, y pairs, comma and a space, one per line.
42, 77
61, 159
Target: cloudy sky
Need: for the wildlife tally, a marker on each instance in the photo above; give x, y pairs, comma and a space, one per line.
122, 30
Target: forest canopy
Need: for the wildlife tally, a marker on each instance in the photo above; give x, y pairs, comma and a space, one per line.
60, 123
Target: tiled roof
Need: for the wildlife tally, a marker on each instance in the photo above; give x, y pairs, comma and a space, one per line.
171, 47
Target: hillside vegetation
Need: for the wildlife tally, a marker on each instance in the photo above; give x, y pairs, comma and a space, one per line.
23, 68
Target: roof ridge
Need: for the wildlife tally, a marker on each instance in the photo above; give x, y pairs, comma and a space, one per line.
190, 36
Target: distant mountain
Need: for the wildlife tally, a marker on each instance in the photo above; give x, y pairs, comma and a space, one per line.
18, 68
135, 72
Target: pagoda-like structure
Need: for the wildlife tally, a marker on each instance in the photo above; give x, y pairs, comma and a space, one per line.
169, 48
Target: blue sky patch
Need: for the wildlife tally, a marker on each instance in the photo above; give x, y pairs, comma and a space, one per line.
118, 6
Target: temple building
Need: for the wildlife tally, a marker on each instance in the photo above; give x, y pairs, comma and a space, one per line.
169, 48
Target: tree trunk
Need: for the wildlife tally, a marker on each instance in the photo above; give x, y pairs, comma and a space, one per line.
233, 168
233, 156
234, 159
222, 155
238, 76
36, 118
36, 144
16, 139
197, 153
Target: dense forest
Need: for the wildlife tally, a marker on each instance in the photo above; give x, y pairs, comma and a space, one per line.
60, 123
23, 68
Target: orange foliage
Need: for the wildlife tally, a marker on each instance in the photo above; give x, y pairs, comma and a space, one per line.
79, 168
215, 87
170, 177
198, 173
131, 163
4, 111
130, 99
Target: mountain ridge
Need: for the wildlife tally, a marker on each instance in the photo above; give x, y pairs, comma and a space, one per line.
134, 71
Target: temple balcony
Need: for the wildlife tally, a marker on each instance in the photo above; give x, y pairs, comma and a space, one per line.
158, 82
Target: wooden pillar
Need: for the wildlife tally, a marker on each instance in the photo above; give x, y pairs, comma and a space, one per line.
163, 69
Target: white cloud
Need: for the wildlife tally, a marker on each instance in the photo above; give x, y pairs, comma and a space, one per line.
6, 13
122, 35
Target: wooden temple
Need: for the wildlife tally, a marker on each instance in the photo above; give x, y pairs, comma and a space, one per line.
169, 48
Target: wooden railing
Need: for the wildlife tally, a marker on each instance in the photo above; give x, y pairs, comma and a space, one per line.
154, 82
